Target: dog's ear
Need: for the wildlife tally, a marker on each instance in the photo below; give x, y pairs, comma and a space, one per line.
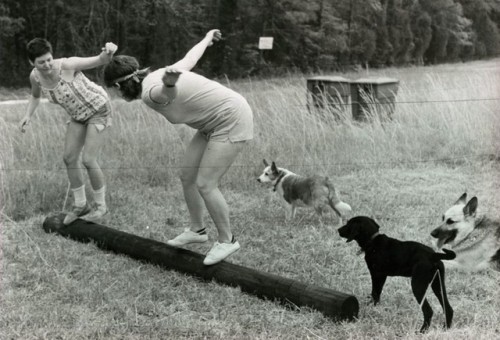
471, 207
274, 168
462, 199
265, 162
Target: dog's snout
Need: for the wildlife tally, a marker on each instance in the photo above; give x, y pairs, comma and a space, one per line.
258, 180
343, 232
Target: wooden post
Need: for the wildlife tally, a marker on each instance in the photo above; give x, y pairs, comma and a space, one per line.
336, 305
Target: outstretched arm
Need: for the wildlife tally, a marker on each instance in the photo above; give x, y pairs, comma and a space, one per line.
79, 63
168, 91
191, 58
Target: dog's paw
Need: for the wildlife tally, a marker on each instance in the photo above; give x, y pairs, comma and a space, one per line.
369, 300
374, 300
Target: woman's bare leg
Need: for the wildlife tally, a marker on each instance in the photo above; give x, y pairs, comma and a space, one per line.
189, 173
216, 160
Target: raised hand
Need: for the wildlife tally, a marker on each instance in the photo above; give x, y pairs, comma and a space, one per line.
214, 35
171, 76
110, 48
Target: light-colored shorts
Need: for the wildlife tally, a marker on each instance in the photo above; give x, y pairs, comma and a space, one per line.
236, 127
102, 119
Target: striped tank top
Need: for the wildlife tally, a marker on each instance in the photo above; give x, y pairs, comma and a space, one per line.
81, 97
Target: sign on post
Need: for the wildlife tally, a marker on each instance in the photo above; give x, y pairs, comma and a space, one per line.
266, 43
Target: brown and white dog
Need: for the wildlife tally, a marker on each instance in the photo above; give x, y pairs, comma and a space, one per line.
299, 191
475, 240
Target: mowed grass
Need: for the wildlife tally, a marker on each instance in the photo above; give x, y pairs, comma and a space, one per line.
405, 173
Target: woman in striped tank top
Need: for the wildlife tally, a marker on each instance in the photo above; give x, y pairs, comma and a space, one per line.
87, 104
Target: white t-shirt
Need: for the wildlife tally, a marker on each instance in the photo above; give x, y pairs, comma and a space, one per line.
202, 104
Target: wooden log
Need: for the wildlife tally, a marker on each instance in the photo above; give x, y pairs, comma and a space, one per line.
334, 304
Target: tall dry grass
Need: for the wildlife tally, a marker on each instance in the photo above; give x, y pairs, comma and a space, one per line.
443, 114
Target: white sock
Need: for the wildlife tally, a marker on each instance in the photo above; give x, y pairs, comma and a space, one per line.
100, 195
79, 194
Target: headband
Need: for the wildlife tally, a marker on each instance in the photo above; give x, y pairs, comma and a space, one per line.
134, 74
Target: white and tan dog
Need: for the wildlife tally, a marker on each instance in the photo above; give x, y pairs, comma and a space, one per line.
300, 191
475, 240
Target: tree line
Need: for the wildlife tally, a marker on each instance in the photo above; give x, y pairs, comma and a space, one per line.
309, 36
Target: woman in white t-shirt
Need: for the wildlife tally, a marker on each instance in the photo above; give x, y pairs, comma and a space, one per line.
223, 120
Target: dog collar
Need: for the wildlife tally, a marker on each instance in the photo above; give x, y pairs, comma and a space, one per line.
368, 245
280, 177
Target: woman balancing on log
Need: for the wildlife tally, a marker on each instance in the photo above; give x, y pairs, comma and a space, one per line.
62, 81
224, 123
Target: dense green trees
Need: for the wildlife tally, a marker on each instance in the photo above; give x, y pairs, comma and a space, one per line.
308, 35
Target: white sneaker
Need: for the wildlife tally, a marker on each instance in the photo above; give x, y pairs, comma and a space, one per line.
96, 214
219, 252
187, 237
75, 213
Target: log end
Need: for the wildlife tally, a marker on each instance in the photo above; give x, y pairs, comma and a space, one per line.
350, 308
54, 223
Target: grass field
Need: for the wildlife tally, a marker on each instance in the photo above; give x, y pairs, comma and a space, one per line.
442, 141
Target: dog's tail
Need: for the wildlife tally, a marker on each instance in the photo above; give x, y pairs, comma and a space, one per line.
334, 201
447, 255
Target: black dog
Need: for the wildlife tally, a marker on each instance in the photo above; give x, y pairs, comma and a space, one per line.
386, 256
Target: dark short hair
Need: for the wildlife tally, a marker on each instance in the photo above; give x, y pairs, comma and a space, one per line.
120, 66
38, 47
